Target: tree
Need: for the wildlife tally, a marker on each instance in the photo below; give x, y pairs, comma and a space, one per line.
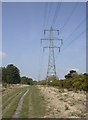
52, 78
42, 82
26, 80
0, 74
71, 74
4, 74
12, 74
68, 76
35, 82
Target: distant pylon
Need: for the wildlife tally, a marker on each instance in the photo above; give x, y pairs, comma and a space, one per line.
51, 71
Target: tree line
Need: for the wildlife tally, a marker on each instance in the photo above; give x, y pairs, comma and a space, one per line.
71, 81
11, 75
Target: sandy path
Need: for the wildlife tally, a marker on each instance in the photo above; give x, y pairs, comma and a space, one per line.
18, 110
63, 104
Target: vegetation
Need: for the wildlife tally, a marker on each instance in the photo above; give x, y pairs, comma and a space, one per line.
42, 82
11, 75
11, 106
6, 99
35, 106
0, 75
26, 80
25, 106
38, 108
71, 74
72, 81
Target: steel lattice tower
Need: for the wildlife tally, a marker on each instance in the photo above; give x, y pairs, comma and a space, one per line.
51, 71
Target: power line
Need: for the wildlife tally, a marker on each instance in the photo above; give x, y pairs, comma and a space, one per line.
48, 18
72, 11
43, 26
74, 39
45, 15
56, 13
75, 29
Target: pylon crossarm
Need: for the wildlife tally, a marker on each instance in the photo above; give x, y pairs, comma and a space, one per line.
51, 30
50, 39
44, 48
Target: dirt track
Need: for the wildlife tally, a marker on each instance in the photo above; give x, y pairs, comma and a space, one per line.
18, 110
29, 101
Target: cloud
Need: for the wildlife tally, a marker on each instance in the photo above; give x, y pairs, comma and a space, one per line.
2, 55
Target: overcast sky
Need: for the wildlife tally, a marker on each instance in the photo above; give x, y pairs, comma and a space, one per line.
23, 24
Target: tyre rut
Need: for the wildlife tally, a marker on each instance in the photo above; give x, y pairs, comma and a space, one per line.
19, 107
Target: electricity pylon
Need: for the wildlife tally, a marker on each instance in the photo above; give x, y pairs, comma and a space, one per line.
51, 71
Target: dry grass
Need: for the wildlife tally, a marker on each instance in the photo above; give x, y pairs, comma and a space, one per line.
64, 103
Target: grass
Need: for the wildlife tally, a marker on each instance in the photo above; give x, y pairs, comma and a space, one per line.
8, 99
25, 107
9, 93
33, 104
10, 108
38, 107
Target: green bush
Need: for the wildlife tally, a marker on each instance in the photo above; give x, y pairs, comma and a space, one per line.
77, 82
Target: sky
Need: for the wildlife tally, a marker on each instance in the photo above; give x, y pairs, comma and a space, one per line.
22, 29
